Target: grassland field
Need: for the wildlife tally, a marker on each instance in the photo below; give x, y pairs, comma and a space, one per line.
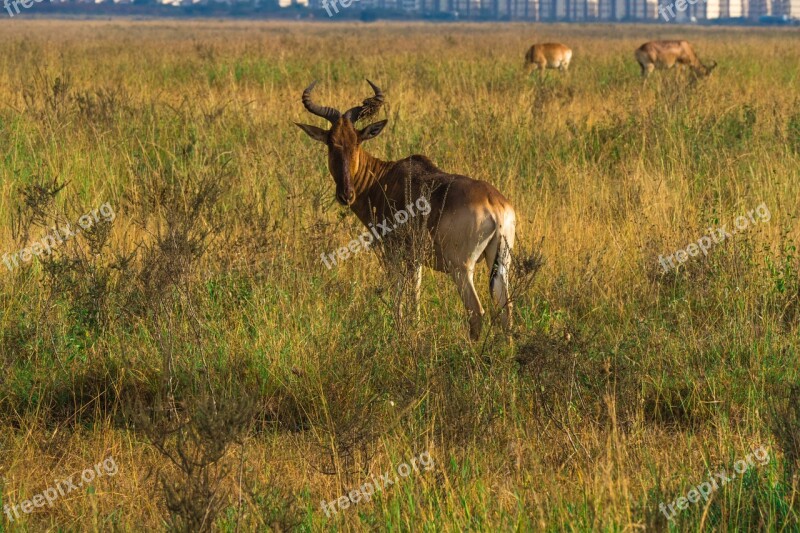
199, 341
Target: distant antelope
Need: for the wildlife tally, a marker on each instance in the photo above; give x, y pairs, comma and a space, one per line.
548, 55
469, 220
667, 54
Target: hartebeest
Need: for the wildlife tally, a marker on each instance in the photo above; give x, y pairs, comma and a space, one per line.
469, 220
548, 55
667, 54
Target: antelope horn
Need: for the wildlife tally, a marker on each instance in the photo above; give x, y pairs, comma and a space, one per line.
328, 113
368, 107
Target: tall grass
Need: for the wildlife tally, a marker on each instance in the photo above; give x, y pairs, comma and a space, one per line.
238, 382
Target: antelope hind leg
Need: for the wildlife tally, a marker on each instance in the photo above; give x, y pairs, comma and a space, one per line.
466, 287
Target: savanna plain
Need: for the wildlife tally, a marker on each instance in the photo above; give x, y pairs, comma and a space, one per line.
197, 338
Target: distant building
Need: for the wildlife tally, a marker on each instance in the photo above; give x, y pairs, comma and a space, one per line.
589, 10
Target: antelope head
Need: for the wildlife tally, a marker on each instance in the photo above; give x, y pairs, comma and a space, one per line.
343, 139
705, 70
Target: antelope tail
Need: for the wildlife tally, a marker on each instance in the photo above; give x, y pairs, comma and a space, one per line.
501, 243
498, 280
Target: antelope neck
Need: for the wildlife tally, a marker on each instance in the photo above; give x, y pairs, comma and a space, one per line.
370, 171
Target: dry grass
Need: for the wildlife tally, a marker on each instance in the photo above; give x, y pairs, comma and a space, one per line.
203, 319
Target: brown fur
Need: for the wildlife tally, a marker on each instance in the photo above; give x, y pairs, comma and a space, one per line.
469, 220
666, 54
548, 55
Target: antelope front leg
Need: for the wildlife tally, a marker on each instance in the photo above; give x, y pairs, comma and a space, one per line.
406, 295
417, 288
399, 298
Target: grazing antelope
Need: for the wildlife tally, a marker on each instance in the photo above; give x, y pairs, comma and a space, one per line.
469, 220
666, 54
548, 55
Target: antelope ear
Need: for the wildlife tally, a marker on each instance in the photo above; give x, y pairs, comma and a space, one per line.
372, 130
318, 134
